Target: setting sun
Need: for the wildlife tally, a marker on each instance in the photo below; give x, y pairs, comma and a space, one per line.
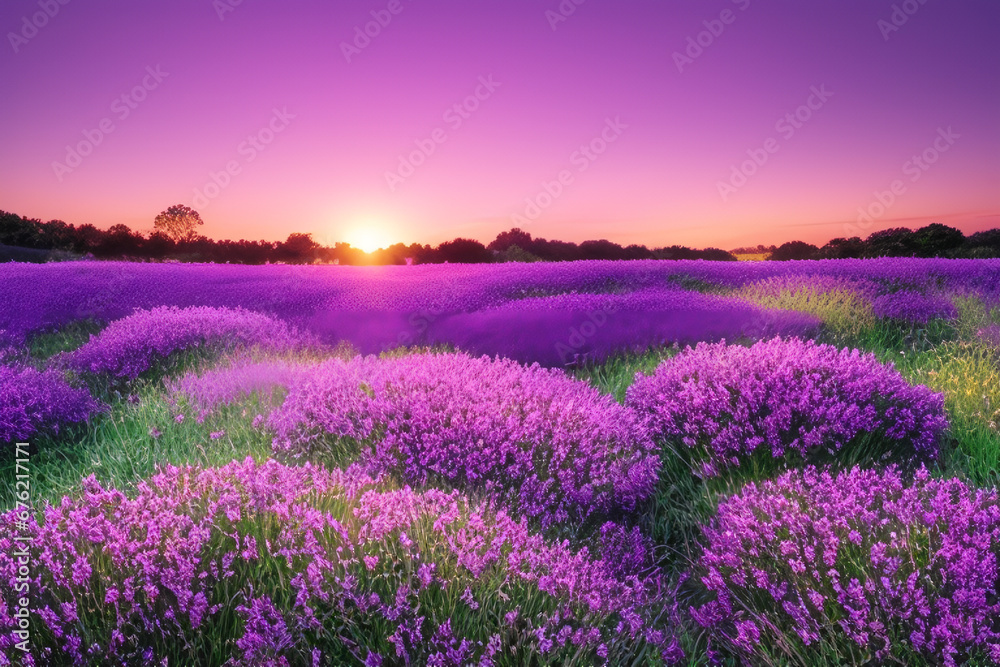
368, 238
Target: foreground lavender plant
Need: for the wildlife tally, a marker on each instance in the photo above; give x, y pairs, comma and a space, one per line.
862, 563
553, 446
271, 565
33, 402
718, 404
130, 346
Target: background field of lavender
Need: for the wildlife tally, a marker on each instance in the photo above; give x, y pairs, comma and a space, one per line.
613, 463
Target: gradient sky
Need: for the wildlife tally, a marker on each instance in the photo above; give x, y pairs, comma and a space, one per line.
894, 92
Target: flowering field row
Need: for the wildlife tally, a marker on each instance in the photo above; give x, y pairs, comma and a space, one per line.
432, 482
382, 307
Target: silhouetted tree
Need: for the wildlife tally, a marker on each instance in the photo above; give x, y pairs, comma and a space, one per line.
716, 255
842, 248
635, 251
895, 242
506, 239
794, 250
464, 251
298, 249
516, 253
120, 242
602, 249
982, 244
937, 240
159, 245
179, 222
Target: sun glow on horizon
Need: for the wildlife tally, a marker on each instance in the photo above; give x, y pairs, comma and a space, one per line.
368, 237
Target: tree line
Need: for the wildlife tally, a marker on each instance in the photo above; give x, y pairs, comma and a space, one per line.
175, 238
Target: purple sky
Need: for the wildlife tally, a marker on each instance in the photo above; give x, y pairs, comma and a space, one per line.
337, 130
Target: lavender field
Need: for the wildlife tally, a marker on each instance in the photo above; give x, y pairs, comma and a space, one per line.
583, 463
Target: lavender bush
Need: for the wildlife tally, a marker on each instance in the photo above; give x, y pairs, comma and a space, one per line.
552, 446
271, 565
913, 307
130, 346
34, 402
717, 405
861, 565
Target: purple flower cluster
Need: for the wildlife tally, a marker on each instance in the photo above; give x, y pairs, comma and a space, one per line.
720, 403
298, 565
913, 307
875, 566
551, 445
130, 346
226, 384
33, 402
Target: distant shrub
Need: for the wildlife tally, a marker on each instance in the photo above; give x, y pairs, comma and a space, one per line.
861, 565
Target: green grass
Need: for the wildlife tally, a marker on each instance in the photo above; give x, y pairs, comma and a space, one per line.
616, 375
45, 345
120, 449
969, 376
842, 312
